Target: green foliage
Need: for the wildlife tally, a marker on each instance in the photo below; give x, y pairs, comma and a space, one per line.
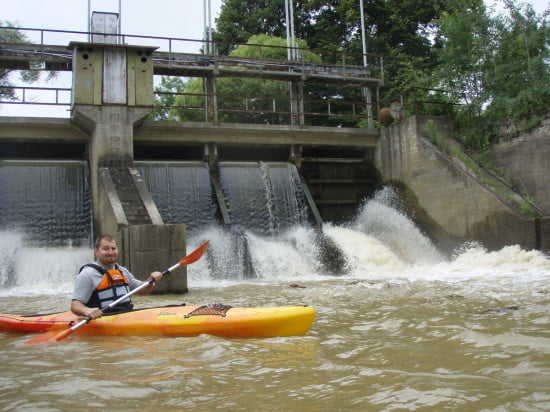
518, 81
168, 88
401, 31
239, 20
27, 76
451, 58
526, 207
239, 100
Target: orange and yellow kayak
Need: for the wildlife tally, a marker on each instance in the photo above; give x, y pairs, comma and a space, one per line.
214, 319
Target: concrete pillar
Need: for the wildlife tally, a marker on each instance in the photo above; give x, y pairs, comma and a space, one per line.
111, 141
112, 94
211, 100
544, 234
296, 91
148, 248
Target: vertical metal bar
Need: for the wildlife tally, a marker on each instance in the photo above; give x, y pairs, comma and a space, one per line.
89, 21
368, 95
41, 45
363, 33
209, 28
294, 51
287, 31
119, 20
170, 52
204, 31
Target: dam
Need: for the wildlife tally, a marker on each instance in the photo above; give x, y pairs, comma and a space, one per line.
155, 183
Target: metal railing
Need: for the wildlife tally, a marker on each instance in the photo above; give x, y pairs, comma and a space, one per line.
169, 47
273, 110
269, 110
345, 67
60, 96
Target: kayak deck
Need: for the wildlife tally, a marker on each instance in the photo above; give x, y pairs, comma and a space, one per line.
179, 320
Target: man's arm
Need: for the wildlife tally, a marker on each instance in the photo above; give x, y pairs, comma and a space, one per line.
80, 309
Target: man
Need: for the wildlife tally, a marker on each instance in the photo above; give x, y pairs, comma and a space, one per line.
101, 283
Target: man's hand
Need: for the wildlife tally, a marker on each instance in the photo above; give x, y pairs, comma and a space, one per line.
156, 276
93, 313
80, 309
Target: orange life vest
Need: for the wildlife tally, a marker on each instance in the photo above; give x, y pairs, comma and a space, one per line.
113, 286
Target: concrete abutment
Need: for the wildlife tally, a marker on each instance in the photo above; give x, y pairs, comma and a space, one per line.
459, 200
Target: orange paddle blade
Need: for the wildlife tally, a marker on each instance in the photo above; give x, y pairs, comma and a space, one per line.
195, 255
55, 336
49, 337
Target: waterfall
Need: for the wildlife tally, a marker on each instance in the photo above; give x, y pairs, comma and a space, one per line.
47, 202
182, 192
45, 224
46, 209
382, 218
265, 198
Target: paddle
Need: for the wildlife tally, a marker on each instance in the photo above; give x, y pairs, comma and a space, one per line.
55, 336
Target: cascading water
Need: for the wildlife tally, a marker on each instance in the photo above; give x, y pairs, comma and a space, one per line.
265, 198
276, 243
182, 192
381, 218
47, 202
45, 224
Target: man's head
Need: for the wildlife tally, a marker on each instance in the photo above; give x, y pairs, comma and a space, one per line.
106, 250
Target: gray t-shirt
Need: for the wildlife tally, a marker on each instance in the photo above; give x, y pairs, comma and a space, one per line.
89, 278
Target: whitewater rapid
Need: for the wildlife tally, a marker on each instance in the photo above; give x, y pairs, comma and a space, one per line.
381, 245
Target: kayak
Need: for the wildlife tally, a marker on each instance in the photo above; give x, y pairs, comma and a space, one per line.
176, 320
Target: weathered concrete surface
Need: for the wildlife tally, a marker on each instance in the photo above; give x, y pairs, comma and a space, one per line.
522, 157
155, 133
79, 130
149, 248
545, 234
40, 129
451, 194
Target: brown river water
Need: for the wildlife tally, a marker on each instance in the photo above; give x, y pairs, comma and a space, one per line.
401, 329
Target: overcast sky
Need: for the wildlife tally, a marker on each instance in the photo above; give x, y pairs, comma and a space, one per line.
164, 18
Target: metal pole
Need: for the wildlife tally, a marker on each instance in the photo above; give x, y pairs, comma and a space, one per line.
210, 46
89, 21
119, 21
368, 95
294, 51
363, 33
287, 31
204, 35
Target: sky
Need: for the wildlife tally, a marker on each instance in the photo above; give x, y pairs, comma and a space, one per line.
163, 18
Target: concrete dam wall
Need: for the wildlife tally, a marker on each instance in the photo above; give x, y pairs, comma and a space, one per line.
461, 203
451, 202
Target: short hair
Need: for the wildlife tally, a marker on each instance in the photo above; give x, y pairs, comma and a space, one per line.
108, 238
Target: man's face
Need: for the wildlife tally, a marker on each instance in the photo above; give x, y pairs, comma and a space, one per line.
106, 253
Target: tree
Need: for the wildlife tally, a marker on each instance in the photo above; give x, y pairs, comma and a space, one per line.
496, 66
401, 31
166, 97
517, 75
27, 76
464, 33
240, 20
